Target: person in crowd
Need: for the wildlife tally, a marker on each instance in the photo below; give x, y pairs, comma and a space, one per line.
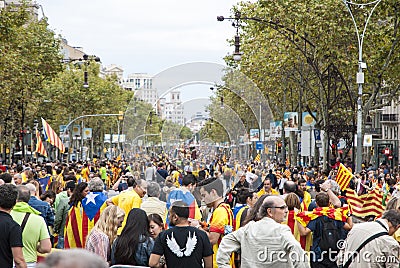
104, 232
17, 179
73, 258
6, 177
43, 207
150, 172
153, 204
49, 197
267, 189
35, 235
221, 220
156, 225
134, 245
252, 214
184, 193
268, 232
182, 245
129, 199
304, 195
381, 249
294, 206
11, 235
248, 200
61, 213
319, 227
74, 220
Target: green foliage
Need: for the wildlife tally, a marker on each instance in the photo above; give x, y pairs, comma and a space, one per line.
29, 56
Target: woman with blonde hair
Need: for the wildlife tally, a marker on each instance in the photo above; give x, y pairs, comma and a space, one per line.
103, 234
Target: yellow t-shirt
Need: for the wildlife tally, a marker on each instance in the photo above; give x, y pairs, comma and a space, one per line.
262, 192
221, 222
126, 201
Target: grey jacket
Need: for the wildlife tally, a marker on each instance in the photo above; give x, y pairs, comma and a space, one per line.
264, 243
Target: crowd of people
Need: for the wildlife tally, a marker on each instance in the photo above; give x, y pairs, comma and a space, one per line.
154, 212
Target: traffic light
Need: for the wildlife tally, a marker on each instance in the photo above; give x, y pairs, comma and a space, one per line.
279, 147
372, 151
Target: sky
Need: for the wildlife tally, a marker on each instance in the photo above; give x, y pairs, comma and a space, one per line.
147, 36
144, 36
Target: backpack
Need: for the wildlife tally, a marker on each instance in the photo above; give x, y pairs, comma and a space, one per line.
330, 235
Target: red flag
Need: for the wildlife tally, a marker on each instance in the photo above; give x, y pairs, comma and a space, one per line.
51, 136
39, 145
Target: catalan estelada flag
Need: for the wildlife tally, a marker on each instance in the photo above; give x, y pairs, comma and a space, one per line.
82, 218
51, 136
369, 204
39, 145
343, 177
340, 214
186, 196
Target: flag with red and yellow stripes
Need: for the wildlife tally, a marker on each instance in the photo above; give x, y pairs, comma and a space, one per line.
287, 173
343, 177
369, 204
257, 158
51, 136
340, 214
39, 145
82, 218
306, 240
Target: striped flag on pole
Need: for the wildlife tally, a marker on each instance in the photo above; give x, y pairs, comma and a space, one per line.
343, 177
51, 136
369, 204
257, 158
39, 145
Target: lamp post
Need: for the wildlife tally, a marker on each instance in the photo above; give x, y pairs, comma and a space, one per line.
360, 74
85, 60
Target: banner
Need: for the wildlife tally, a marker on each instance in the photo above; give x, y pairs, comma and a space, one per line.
107, 138
76, 130
275, 129
291, 121
254, 134
308, 120
87, 133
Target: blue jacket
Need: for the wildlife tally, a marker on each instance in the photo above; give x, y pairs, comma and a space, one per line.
44, 208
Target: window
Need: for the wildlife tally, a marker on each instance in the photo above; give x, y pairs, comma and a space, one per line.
145, 83
150, 83
137, 83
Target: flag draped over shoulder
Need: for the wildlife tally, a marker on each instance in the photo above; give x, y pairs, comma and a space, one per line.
51, 136
82, 218
306, 240
369, 204
39, 145
343, 177
340, 214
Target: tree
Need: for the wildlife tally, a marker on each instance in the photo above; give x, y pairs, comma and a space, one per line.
303, 56
29, 56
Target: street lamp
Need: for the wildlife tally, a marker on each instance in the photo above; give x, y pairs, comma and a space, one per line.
360, 74
85, 60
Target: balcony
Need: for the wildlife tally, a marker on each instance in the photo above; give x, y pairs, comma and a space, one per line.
389, 118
